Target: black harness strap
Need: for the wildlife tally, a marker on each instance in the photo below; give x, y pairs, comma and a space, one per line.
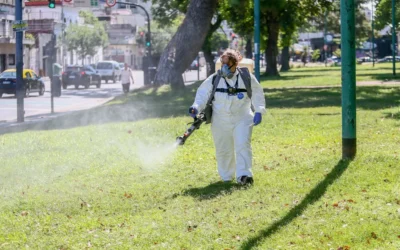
227, 90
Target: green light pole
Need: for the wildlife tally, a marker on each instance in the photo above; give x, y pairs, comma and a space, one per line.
373, 36
325, 45
394, 36
347, 17
257, 38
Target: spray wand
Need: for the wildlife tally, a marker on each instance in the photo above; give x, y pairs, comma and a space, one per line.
198, 120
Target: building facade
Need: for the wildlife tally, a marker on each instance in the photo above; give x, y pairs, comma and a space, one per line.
7, 38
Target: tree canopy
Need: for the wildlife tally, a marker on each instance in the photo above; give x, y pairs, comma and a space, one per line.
85, 39
383, 13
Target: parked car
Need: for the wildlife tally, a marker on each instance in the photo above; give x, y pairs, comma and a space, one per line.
364, 59
388, 59
109, 70
31, 82
80, 75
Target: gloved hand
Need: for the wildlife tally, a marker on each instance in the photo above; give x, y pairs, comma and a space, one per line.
193, 112
257, 119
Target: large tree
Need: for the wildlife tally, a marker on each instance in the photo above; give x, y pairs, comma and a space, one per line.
85, 39
363, 27
186, 42
277, 17
383, 14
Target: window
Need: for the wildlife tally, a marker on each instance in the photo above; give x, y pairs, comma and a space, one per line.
11, 59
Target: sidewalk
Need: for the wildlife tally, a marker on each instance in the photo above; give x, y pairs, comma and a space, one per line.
8, 126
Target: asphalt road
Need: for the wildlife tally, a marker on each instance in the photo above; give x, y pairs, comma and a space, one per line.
71, 99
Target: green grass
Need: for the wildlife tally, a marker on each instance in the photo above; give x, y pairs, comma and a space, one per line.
328, 76
109, 178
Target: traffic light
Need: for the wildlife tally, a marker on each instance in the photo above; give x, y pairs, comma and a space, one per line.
148, 42
52, 4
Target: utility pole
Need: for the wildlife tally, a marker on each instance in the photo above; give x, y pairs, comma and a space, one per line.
19, 60
394, 47
62, 35
257, 38
349, 141
373, 35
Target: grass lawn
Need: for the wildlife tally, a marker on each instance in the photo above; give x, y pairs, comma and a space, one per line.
110, 178
328, 76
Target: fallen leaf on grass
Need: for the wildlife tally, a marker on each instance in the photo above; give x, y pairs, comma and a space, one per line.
267, 168
129, 131
128, 196
374, 236
344, 248
335, 204
24, 213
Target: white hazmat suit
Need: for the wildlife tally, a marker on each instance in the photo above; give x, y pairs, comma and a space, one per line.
232, 124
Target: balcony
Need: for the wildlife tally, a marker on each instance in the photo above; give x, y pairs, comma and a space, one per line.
40, 26
8, 2
56, 16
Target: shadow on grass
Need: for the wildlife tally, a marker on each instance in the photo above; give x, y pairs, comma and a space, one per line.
381, 77
368, 97
395, 116
288, 77
213, 190
315, 194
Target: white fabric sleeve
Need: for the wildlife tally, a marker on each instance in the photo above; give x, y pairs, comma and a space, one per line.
258, 98
203, 93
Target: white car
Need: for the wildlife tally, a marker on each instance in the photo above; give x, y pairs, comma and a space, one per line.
109, 70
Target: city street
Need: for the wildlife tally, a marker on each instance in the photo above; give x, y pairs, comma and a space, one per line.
71, 99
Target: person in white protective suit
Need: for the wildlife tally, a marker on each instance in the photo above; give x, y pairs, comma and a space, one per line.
232, 118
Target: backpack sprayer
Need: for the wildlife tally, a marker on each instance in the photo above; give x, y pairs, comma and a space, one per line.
198, 120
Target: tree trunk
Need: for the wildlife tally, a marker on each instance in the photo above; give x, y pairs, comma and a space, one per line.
249, 50
186, 43
210, 65
272, 47
285, 59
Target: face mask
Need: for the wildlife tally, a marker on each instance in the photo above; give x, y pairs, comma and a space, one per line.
226, 71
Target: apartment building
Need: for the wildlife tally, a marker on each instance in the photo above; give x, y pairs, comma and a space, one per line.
7, 38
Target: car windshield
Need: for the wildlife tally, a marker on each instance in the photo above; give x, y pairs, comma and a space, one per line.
104, 66
74, 69
8, 75
89, 68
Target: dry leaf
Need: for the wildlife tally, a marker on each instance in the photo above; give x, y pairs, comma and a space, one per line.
374, 236
335, 204
128, 196
24, 213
